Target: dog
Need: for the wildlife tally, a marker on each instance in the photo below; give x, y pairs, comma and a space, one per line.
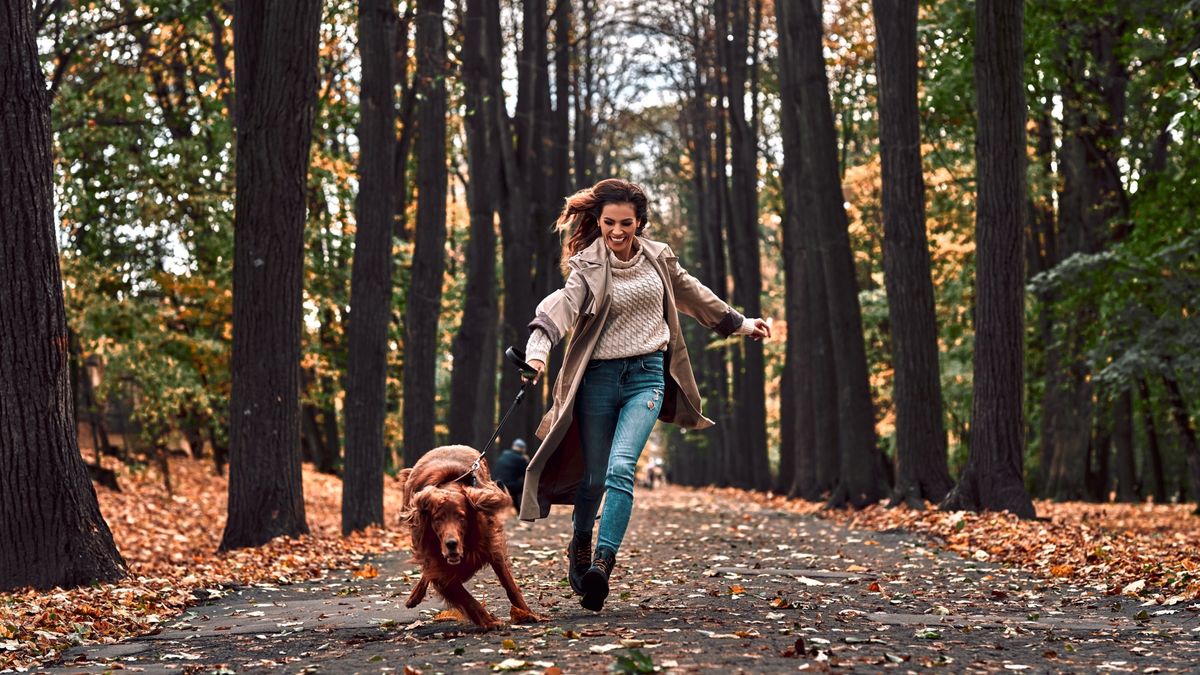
455, 527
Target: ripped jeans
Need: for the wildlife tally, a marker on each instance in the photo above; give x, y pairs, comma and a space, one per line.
617, 404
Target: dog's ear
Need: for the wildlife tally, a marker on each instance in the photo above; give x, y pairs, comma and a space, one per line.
488, 499
403, 478
422, 502
426, 499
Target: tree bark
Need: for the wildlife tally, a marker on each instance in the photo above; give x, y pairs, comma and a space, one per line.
473, 385
749, 399
371, 275
50, 521
1187, 433
1093, 202
993, 479
1153, 452
1126, 469
861, 474
796, 405
920, 435
275, 57
516, 230
425, 284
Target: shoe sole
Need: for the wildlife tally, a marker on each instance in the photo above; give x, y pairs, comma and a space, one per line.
595, 590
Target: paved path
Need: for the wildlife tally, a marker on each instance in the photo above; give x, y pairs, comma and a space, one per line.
703, 584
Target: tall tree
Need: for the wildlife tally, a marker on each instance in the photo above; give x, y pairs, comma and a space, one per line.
472, 389
861, 477
425, 285
275, 62
920, 437
1092, 200
993, 479
798, 393
50, 522
516, 229
749, 396
371, 275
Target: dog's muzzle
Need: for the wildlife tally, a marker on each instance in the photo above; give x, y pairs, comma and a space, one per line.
452, 554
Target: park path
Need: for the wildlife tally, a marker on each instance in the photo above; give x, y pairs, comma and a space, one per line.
706, 582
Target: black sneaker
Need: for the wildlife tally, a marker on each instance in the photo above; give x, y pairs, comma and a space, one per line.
579, 559
595, 581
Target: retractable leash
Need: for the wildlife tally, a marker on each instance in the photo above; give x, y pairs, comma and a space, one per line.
517, 356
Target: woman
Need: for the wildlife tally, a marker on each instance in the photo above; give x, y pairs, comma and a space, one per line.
625, 367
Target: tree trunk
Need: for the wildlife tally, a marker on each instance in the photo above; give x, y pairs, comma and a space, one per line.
425, 284
473, 385
516, 230
796, 395
992, 479
861, 473
275, 56
1153, 452
332, 444
371, 275
50, 521
1126, 469
1093, 202
584, 83
1187, 433
920, 435
748, 383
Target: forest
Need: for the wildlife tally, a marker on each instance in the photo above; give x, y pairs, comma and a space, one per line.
263, 236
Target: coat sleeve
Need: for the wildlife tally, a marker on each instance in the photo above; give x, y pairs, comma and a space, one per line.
699, 302
557, 312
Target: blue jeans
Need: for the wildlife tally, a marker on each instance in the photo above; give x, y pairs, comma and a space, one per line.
616, 407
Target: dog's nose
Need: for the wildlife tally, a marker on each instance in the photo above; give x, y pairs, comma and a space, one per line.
451, 544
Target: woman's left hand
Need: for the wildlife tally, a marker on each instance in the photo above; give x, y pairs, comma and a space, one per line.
762, 329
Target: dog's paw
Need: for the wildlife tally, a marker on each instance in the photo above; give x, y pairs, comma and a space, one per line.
491, 623
519, 615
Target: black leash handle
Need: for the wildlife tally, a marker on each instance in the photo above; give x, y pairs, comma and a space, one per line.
528, 372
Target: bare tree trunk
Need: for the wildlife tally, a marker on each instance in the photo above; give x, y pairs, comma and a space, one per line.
1153, 452
748, 376
993, 479
861, 478
1127, 482
50, 521
371, 274
275, 53
425, 284
797, 413
473, 384
920, 436
1093, 201
1187, 434
516, 229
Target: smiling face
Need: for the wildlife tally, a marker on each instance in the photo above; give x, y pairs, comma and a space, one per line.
617, 225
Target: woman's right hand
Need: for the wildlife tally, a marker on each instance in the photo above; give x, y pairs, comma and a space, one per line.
539, 367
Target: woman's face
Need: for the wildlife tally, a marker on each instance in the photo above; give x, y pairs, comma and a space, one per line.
617, 226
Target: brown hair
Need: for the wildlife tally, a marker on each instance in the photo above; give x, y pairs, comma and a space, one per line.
581, 213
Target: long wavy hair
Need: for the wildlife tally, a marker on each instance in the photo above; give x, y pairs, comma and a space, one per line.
581, 214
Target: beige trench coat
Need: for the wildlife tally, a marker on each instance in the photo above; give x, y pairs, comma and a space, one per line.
580, 309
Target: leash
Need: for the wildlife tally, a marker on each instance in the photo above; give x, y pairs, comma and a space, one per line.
517, 356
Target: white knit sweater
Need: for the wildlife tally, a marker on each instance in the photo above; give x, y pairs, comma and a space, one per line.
635, 323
